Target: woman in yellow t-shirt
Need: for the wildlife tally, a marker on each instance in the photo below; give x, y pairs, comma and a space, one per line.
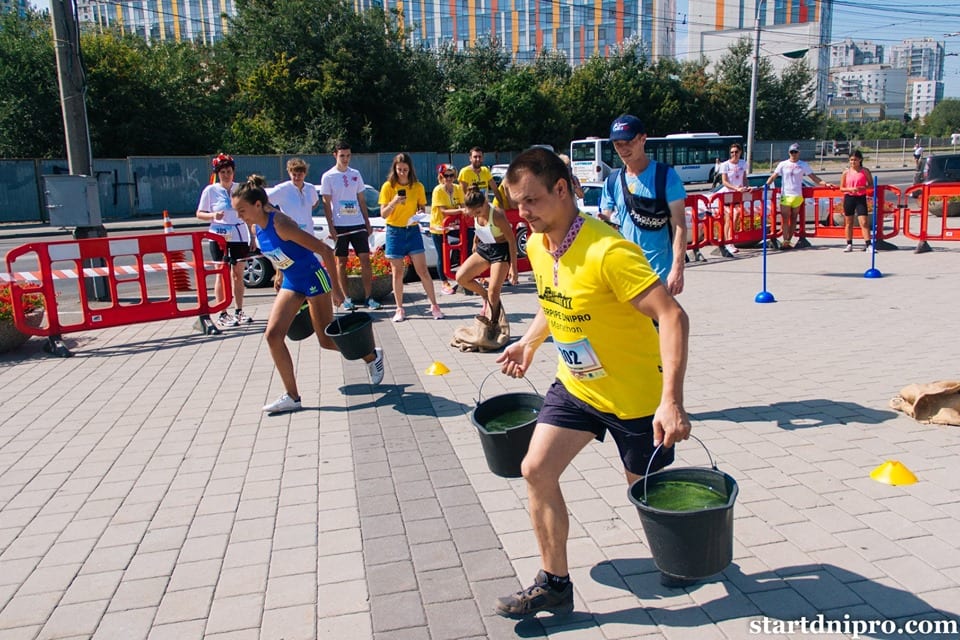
402, 196
446, 200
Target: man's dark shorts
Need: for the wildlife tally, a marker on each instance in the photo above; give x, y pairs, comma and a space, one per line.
634, 437
236, 251
347, 236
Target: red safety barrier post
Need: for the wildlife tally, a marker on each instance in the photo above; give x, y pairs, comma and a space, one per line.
929, 219
128, 262
699, 224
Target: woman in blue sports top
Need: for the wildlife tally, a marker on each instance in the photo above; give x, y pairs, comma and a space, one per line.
300, 276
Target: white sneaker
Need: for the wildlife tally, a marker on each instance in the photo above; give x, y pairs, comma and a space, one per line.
732, 248
375, 367
242, 318
848, 248
866, 247
348, 304
227, 320
282, 404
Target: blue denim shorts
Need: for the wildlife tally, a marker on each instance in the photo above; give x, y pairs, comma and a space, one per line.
403, 242
634, 437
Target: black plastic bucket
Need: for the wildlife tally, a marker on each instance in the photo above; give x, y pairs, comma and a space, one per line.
302, 325
688, 544
504, 450
353, 334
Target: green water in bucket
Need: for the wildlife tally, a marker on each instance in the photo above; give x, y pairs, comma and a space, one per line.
677, 495
510, 419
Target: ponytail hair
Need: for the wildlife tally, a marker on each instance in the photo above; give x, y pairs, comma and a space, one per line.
253, 190
474, 197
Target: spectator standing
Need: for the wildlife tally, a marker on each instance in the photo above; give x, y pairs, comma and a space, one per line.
296, 197
348, 221
917, 154
733, 177
495, 249
597, 294
855, 183
477, 175
791, 172
574, 180
216, 206
291, 250
446, 200
654, 220
402, 197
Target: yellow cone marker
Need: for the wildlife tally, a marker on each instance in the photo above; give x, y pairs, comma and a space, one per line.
437, 369
893, 472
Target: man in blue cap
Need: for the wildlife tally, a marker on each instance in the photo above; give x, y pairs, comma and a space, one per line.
646, 200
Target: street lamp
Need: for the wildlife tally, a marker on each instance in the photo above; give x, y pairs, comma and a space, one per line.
755, 72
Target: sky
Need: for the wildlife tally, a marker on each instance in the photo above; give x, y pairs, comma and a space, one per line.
885, 22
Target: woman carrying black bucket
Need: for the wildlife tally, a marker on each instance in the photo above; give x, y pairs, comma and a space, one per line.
615, 372
299, 276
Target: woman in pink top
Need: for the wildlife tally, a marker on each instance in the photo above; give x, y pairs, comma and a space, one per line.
855, 183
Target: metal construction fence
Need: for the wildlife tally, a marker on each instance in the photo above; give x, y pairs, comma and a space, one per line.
141, 186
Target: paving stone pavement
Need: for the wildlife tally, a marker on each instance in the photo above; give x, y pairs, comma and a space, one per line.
143, 494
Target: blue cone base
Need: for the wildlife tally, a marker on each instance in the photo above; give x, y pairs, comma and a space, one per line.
872, 273
763, 297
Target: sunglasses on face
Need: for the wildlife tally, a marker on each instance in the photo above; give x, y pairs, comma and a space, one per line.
448, 175
794, 151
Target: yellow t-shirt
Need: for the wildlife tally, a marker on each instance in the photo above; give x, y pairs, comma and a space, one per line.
441, 200
401, 214
480, 178
608, 352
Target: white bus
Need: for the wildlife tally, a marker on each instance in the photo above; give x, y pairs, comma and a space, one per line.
693, 155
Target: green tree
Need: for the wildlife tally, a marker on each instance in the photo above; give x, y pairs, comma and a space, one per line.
31, 123
943, 120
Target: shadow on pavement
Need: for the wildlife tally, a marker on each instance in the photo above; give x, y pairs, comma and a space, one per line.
802, 414
411, 403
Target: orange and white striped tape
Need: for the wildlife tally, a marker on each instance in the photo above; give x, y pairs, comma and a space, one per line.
72, 274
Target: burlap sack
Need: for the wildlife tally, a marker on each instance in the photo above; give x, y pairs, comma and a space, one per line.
483, 335
931, 403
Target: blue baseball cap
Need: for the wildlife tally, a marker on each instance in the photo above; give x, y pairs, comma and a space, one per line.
626, 127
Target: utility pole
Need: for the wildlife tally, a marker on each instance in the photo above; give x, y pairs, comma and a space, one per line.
66, 39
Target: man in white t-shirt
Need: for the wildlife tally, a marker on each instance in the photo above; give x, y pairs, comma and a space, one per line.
792, 171
917, 154
733, 177
296, 197
348, 220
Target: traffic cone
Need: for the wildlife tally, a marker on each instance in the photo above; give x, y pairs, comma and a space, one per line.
179, 275
437, 369
893, 472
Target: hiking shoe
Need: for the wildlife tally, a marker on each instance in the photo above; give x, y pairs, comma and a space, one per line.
848, 248
348, 304
436, 313
242, 318
535, 598
227, 320
399, 316
282, 404
675, 582
375, 367
447, 290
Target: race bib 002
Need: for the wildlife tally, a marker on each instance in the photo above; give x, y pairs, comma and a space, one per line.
581, 359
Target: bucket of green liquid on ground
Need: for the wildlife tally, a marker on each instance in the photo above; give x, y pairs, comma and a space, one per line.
505, 424
687, 516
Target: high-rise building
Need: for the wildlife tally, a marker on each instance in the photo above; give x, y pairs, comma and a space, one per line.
849, 53
577, 28
20, 6
197, 20
786, 27
871, 84
922, 58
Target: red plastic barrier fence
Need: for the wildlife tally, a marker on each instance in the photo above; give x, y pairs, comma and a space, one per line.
822, 213
454, 253
737, 217
699, 229
926, 213
128, 298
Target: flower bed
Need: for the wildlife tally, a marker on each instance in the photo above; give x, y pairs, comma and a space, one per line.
10, 336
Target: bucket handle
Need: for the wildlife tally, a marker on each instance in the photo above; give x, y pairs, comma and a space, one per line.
713, 465
337, 317
486, 377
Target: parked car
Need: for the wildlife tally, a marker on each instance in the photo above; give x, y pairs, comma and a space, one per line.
498, 171
841, 147
945, 168
592, 194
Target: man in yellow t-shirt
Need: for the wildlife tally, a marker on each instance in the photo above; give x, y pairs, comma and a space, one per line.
475, 174
615, 372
